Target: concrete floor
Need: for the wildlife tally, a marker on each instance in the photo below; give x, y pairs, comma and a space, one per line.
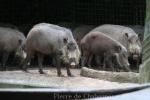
50, 79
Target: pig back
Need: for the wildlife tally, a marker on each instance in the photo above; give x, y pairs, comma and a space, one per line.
117, 32
69, 25
47, 37
98, 43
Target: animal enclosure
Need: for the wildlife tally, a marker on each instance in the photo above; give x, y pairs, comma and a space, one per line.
23, 14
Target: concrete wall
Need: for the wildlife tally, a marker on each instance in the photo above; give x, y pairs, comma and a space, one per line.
145, 67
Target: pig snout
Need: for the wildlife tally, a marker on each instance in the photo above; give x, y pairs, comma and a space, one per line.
72, 62
134, 50
136, 57
21, 53
72, 59
122, 61
125, 62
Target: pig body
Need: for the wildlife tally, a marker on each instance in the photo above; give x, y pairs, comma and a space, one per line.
11, 40
48, 39
97, 43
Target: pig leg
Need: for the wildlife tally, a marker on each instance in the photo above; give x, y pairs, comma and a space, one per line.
83, 62
68, 71
89, 61
84, 58
79, 66
58, 67
114, 62
104, 62
53, 61
4, 60
109, 61
40, 61
24, 63
98, 61
138, 63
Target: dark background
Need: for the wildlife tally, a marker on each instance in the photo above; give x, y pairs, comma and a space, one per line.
125, 12
25, 13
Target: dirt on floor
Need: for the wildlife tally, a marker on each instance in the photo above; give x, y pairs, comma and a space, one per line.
50, 79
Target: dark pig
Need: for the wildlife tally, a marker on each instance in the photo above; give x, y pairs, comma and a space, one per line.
11, 40
97, 43
48, 39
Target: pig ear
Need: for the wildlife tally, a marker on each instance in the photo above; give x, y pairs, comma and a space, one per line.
118, 48
126, 34
65, 40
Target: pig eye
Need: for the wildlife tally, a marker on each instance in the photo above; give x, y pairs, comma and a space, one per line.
65, 40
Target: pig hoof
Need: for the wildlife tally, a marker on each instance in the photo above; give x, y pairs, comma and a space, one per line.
41, 72
25, 70
117, 70
128, 70
60, 75
71, 75
89, 66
